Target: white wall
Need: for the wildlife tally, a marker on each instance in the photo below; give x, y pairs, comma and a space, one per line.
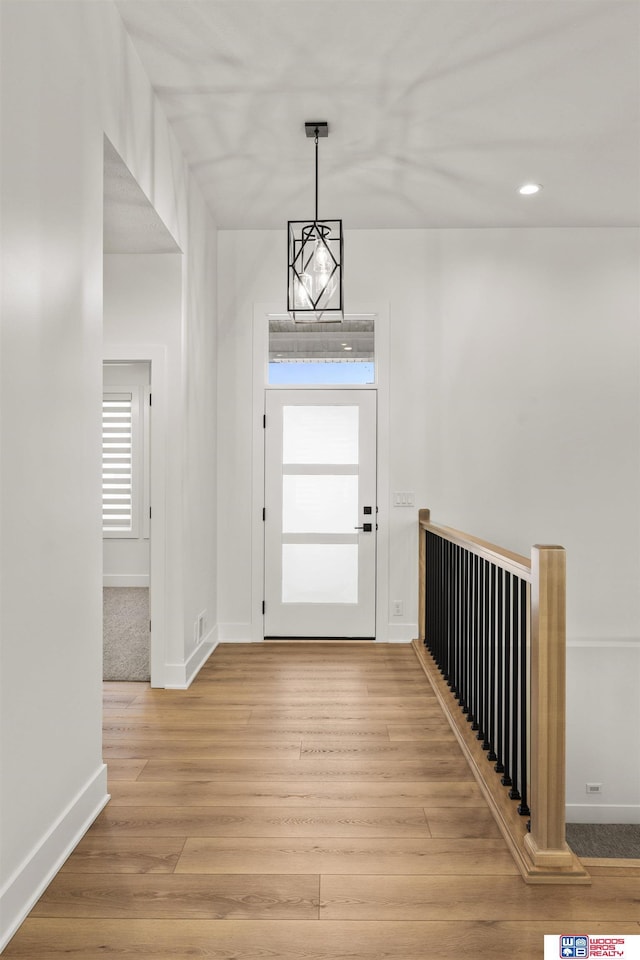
199, 458
603, 735
540, 406
514, 415
540, 443
69, 75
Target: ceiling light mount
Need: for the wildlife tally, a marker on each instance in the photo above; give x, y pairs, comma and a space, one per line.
316, 128
315, 255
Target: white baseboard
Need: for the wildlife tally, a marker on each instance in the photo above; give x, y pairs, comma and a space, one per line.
602, 813
27, 884
400, 633
125, 580
180, 676
236, 632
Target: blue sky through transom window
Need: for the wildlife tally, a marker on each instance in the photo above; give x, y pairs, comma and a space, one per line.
323, 372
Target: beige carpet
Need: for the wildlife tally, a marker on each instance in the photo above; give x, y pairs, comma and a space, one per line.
609, 840
125, 633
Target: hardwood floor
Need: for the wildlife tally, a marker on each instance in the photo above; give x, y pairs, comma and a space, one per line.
300, 802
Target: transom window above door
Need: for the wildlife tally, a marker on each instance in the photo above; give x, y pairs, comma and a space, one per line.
322, 354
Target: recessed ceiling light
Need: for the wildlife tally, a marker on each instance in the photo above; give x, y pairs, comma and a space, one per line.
529, 189
348, 348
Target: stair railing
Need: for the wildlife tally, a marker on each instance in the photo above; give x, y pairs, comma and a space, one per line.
492, 642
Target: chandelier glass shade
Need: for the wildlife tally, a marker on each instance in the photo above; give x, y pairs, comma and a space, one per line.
315, 255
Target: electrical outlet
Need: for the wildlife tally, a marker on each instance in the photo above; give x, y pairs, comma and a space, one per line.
200, 627
397, 608
594, 788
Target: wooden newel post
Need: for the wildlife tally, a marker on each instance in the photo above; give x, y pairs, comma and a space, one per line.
546, 843
424, 516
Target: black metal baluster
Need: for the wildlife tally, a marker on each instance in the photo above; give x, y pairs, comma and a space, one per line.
443, 605
486, 743
523, 807
469, 637
499, 768
464, 692
438, 554
459, 603
434, 599
514, 793
454, 619
433, 566
473, 672
506, 757
479, 650
450, 601
435, 580
425, 534
476, 643
493, 695
442, 602
429, 592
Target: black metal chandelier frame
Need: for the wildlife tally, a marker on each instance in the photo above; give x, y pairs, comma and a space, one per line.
310, 242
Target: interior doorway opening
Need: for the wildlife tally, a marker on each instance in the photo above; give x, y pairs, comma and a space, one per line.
142, 304
126, 527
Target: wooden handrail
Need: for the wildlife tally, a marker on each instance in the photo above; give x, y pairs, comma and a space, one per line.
542, 854
513, 562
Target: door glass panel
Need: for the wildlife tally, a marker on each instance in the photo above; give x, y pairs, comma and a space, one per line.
320, 434
319, 573
319, 504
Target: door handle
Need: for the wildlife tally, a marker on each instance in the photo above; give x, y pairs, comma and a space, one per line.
366, 528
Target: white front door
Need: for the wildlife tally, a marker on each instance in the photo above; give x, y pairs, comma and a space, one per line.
320, 513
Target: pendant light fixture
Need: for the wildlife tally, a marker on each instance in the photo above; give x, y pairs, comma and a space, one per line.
314, 280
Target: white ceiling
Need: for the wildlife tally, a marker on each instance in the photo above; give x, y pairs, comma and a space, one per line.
438, 109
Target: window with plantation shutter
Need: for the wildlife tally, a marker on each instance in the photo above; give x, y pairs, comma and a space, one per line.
119, 416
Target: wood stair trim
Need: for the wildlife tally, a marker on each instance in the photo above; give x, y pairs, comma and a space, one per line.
561, 866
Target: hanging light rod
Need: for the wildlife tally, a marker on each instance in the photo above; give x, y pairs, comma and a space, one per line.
314, 275
316, 129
